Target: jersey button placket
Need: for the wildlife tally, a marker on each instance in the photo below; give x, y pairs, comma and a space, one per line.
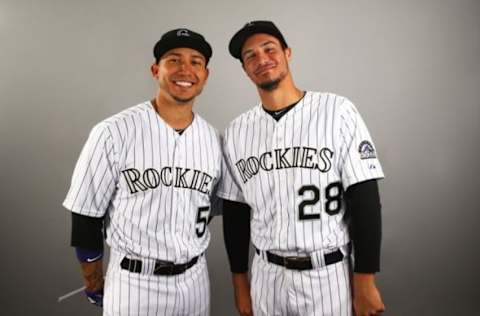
277, 143
175, 197
180, 163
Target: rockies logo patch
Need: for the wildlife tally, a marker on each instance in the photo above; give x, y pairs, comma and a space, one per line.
183, 32
366, 150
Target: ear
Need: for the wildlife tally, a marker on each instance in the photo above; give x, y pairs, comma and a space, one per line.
207, 73
154, 70
288, 53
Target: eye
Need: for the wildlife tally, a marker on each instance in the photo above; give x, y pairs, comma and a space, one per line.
197, 62
249, 56
270, 49
174, 60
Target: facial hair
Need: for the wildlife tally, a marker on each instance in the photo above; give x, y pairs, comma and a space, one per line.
272, 84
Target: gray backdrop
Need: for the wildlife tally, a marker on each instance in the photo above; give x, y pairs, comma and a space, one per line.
411, 67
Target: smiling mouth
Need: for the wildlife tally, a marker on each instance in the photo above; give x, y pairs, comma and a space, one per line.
264, 69
183, 83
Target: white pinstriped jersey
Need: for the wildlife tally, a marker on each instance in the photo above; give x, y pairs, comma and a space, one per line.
292, 172
153, 184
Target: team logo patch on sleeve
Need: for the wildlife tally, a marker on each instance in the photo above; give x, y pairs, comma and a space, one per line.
366, 150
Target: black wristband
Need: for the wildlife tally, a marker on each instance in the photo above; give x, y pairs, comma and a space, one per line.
364, 210
236, 234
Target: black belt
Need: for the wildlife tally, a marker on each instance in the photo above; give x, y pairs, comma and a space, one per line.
161, 267
301, 263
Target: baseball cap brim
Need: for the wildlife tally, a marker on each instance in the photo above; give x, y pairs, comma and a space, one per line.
251, 28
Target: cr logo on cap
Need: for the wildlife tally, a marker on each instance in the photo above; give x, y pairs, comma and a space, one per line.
183, 33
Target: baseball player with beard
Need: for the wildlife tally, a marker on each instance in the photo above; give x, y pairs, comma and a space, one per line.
306, 166
146, 176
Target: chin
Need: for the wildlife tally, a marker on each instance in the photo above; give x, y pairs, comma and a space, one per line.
183, 99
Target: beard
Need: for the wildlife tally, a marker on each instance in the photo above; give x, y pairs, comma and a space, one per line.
272, 85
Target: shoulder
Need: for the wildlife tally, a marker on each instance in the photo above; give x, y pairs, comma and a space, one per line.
129, 114
339, 106
322, 99
243, 120
206, 127
118, 124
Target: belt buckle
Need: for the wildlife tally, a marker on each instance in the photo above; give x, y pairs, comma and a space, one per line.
161, 264
289, 262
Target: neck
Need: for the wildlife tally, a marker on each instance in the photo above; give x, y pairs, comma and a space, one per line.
285, 94
176, 115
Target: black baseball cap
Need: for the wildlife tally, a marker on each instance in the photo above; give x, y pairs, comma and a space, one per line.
182, 38
254, 27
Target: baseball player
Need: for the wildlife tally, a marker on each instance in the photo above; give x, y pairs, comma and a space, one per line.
147, 176
306, 166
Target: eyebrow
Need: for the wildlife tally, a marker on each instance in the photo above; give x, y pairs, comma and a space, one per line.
173, 54
198, 56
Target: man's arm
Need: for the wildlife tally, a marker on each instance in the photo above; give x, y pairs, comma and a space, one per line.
236, 232
87, 238
364, 209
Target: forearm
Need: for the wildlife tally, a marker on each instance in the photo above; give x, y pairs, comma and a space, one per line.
240, 280
241, 287
236, 232
363, 279
364, 210
92, 273
87, 238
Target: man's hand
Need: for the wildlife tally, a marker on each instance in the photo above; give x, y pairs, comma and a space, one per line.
93, 279
243, 300
96, 298
366, 297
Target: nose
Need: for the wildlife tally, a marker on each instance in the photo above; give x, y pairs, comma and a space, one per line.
183, 66
262, 58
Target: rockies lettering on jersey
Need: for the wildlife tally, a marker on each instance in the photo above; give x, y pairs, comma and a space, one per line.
281, 158
184, 178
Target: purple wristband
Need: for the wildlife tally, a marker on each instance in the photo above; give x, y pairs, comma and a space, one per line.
88, 255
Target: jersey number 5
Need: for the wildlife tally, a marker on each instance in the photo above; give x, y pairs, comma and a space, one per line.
333, 203
202, 220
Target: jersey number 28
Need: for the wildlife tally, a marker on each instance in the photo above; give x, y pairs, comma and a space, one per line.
333, 203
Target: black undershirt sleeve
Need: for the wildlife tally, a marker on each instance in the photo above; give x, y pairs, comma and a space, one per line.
87, 232
365, 225
236, 234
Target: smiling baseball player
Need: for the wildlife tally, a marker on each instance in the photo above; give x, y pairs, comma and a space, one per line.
147, 175
304, 162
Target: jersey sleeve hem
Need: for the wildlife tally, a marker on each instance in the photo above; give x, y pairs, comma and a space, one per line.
82, 211
230, 197
350, 182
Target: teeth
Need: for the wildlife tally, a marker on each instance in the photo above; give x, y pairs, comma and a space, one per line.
184, 83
